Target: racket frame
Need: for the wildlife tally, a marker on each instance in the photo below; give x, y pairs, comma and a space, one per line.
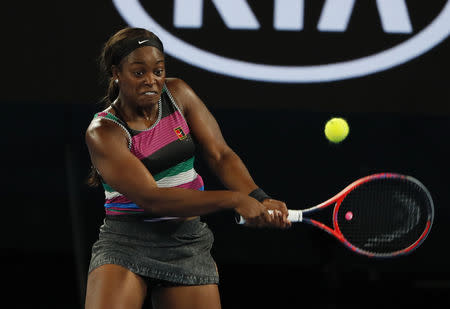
337, 200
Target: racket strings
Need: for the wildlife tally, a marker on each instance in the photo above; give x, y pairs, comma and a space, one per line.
388, 215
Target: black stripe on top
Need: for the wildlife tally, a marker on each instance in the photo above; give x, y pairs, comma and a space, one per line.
170, 155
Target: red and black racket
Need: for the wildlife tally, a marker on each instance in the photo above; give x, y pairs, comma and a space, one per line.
380, 215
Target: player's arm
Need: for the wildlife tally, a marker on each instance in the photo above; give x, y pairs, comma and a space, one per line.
124, 172
221, 159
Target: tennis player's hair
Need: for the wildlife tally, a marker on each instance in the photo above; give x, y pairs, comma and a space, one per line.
111, 49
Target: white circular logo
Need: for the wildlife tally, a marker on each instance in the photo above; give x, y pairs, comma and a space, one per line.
436, 32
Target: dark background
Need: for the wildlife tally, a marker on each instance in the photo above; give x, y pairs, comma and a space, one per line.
399, 122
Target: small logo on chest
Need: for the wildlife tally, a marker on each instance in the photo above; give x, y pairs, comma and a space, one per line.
180, 133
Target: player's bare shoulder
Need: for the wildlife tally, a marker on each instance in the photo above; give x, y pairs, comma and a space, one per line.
182, 93
101, 130
177, 85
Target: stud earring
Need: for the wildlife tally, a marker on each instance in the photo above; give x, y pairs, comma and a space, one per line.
116, 81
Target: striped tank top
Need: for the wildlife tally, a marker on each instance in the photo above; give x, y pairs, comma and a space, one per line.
167, 151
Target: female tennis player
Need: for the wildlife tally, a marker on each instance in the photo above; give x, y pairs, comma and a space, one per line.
142, 147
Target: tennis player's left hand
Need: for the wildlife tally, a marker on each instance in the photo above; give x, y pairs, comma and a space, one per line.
280, 212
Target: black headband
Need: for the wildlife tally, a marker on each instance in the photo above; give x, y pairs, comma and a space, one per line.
129, 45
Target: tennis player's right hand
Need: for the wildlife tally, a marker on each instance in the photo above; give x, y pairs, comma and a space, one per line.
256, 214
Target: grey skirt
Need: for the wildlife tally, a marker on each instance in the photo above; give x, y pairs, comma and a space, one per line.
177, 252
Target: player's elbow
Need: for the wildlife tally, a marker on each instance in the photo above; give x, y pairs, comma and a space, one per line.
153, 202
219, 156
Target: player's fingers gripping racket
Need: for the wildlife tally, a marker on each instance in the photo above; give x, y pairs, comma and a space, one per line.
380, 215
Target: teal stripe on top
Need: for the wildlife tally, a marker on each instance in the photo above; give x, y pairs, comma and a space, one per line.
175, 170
107, 187
107, 115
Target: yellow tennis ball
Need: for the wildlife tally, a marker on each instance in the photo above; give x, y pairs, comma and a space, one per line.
336, 130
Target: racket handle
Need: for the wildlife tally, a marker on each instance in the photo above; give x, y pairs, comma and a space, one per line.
294, 216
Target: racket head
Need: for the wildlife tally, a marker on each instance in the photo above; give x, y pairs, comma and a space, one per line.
384, 215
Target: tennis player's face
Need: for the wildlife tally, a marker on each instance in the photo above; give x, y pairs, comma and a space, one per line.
142, 77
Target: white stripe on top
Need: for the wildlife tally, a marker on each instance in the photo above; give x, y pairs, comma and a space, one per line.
176, 180
111, 195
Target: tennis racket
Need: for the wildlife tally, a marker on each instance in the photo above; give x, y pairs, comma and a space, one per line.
381, 215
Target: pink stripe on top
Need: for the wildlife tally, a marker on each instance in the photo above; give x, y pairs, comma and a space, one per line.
126, 209
119, 212
196, 184
148, 142
119, 199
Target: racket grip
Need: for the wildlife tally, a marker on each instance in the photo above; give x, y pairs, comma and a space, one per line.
293, 216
